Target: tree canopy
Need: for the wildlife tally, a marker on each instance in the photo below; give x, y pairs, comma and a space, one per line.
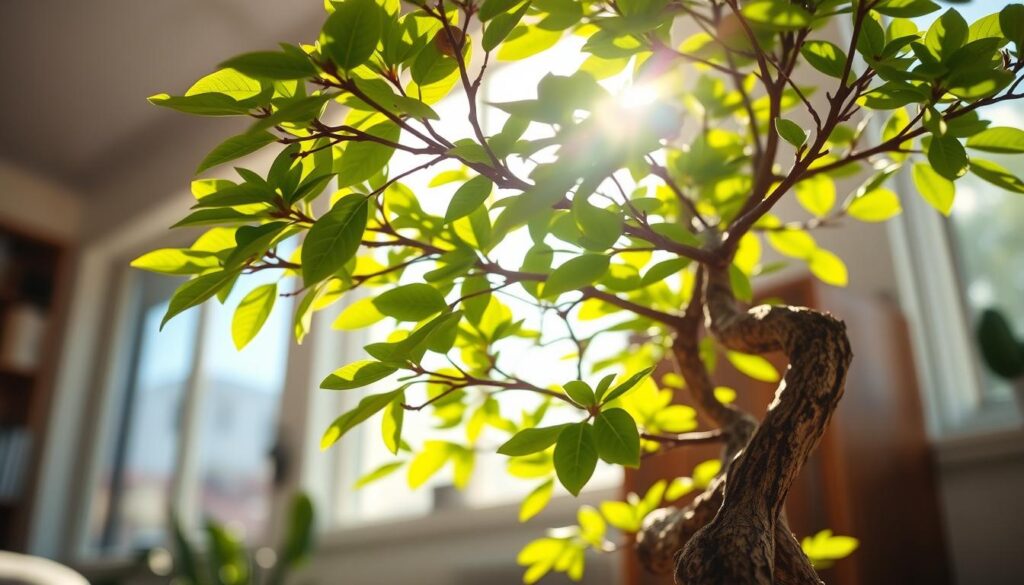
588, 221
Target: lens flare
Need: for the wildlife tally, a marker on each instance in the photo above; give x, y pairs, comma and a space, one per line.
638, 96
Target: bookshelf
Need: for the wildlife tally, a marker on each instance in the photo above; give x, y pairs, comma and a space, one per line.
32, 279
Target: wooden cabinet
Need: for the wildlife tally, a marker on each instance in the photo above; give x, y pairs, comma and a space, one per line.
872, 475
32, 280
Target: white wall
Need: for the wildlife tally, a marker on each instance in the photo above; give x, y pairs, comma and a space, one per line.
38, 205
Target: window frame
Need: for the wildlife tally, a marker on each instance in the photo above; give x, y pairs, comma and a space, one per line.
932, 294
94, 378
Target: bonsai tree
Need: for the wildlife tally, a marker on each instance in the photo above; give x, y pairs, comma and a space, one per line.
620, 213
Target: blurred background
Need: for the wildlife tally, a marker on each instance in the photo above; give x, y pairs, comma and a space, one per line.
105, 424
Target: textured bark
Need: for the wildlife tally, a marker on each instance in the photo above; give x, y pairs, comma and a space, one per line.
669, 530
738, 547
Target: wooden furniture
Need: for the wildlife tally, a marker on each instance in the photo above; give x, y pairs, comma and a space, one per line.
871, 477
33, 272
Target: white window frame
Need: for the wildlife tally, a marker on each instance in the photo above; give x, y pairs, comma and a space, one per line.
931, 293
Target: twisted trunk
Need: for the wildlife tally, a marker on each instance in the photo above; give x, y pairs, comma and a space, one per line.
733, 533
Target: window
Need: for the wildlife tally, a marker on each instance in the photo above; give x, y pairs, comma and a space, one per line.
196, 423
363, 451
985, 228
950, 270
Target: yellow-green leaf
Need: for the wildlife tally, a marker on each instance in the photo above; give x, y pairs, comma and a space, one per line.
236, 147
252, 313
754, 366
937, 190
428, 462
536, 500
876, 205
359, 314
817, 194
828, 267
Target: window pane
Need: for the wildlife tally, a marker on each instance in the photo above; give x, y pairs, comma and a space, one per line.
241, 395
131, 503
363, 451
986, 224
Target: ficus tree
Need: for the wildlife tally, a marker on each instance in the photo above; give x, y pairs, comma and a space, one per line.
619, 213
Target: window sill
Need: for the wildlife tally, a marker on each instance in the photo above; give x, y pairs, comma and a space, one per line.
449, 523
972, 449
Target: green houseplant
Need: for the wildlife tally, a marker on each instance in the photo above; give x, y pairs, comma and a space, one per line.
649, 220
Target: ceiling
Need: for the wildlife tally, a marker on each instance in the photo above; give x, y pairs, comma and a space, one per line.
76, 74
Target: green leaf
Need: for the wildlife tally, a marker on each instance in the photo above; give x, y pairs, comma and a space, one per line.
334, 238
357, 374
526, 41
379, 473
359, 314
948, 157
227, 82
298, 541
907, 8
817, 194
828, 267
621, 515
536, 500
470, 196
824, 548
704, 473
876, 205
1002, 140
663, 270
411, 302
626, 386
575, 274
226, 555
947, 34
272, 65
1000, 349
500, 27
205, 104
528, 441
176, 261
196, 291
380, 92
791, 132
215, 217
580, 392
997, 175
362, 160
366, 408
617, 438
252, 313
352, 32
601, 228
298, 111
575, 456
236, 147
492, 8
753, 366
469, 151
777, 14
428, 462
679, 487
1011, 21
413, 347
825, 57
937, 190
592, 526
391, 424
